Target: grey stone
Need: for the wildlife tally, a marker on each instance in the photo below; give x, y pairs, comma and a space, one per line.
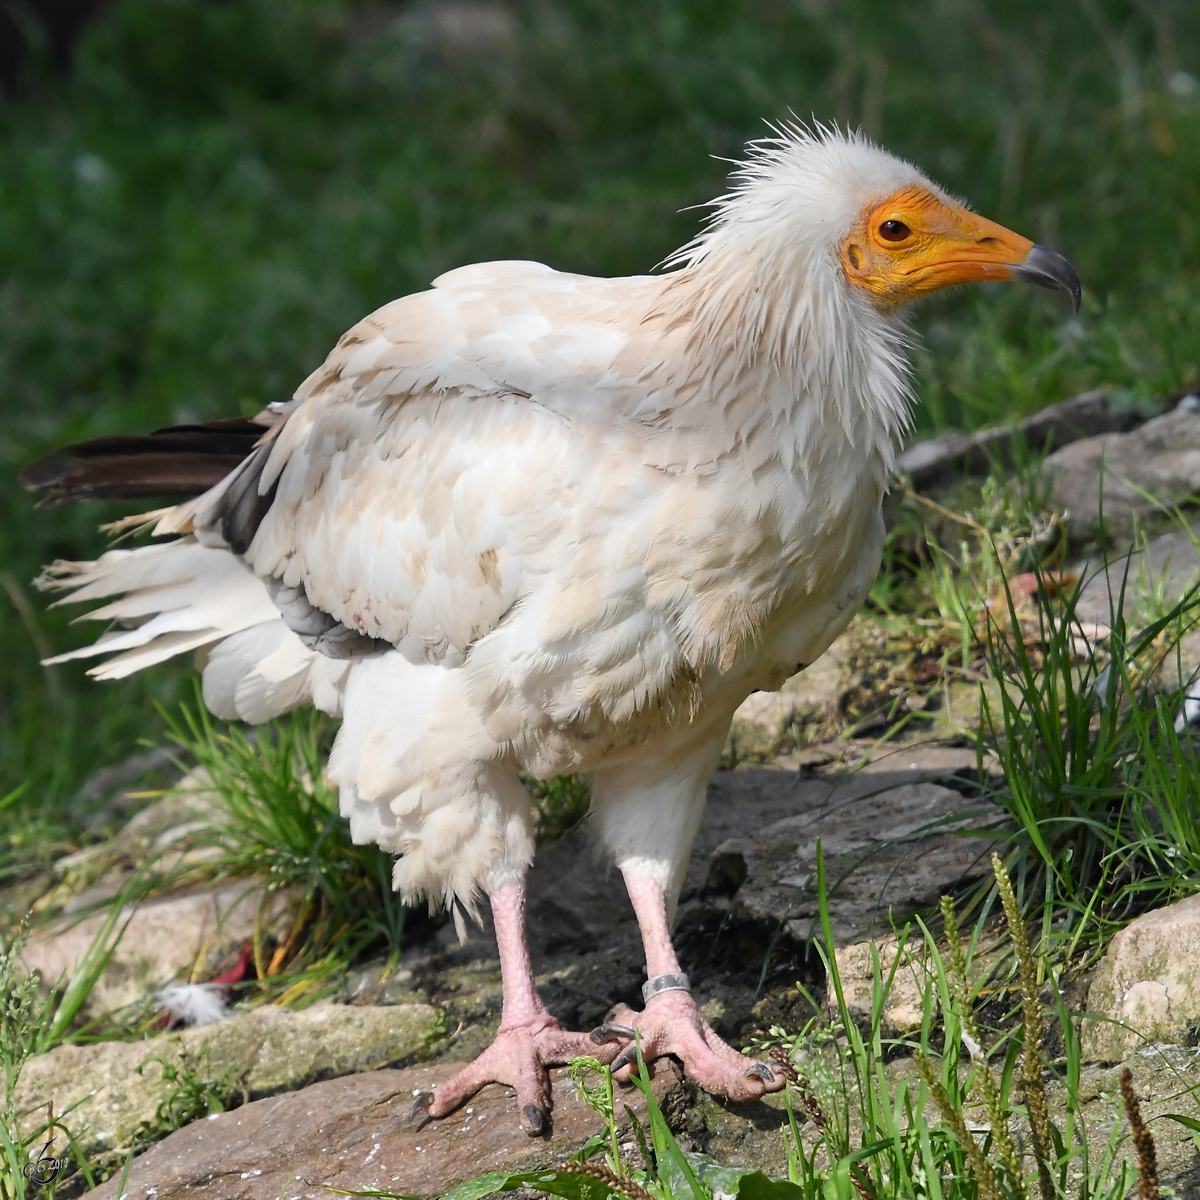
98, 872
954, 454
260, 1053
379, 983
904, 1007
1147, 987
189, 806
1155, 578
354, 1133
576, 896
891, 849
160, 760
1161, 459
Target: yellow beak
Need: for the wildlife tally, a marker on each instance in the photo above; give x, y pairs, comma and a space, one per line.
915, 243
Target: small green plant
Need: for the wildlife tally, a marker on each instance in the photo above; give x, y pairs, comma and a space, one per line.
666, 1170
873, 1137
196, 1092
1080, 716
21, 1015
1060, 1155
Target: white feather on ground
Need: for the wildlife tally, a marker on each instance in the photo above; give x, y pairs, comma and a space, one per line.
194, 1004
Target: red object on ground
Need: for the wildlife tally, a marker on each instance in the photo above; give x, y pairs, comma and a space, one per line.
237, 972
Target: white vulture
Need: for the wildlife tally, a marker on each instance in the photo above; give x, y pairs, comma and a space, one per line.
528, 519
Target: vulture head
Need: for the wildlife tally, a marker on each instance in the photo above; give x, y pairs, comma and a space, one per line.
833, 199
805, 264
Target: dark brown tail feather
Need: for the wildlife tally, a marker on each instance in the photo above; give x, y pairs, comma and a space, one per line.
181, 461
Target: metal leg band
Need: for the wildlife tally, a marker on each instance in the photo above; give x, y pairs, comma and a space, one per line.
673, 981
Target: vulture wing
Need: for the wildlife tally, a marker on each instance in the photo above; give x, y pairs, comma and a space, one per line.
435, 459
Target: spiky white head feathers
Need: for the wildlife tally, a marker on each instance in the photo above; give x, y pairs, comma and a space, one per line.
763, 290
800, 190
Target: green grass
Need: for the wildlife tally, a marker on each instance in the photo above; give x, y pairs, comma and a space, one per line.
32, 1022
1077, 720
1080, 719
1104, 793
189, 221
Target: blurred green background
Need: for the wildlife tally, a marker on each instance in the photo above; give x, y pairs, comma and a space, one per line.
204, 195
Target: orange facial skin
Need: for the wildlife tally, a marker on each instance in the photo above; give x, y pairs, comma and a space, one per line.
915, 243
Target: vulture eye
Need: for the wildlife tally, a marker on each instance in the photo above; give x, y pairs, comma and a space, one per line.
894, 231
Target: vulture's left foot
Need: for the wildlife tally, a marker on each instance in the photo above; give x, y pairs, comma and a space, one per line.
672, 1024
518, 1058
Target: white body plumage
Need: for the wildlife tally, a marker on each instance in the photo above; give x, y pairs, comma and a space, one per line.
581, 519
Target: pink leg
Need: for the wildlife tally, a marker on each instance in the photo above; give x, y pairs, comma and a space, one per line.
671, 1022
529, 1038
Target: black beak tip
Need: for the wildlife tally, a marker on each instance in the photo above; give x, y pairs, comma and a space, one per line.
1075, 291
1047, 268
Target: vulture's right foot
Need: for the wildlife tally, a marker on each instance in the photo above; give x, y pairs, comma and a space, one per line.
673, 1024
517, 1058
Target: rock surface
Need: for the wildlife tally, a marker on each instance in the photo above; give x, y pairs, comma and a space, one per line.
165, 936
111, 1088
891, 848
1161, 458
1148, 982
1162, 1077
157, 765
576, 898
753, 859
1155, 579
170, 933
355, 1133
1155, 576
856, 969
954, 454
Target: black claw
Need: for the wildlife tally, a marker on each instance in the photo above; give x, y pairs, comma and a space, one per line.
627, 1056
611, 1033
536, 1119
759, 1070
421, 1104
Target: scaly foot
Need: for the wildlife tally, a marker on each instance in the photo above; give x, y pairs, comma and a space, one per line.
517, 1058
672, 1024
